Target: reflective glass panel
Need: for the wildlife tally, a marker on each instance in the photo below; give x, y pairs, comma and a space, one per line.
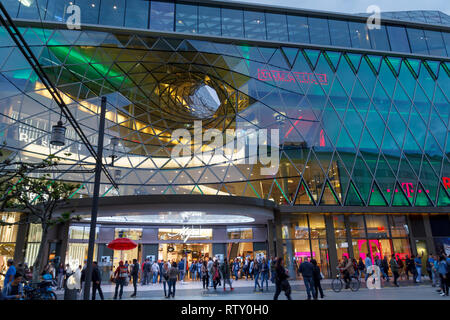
356, 225
161, 15
376, 226
89, 10
417, 41
276, 27
359, 35
318, 31
399, 226
29, 10
398, 39
137, 14
130, 233
378, 39
339, 33
298, 29
446, 37
186, 18
12, 6
254, 23
56, 10
435, 43
112, 13
209, 20
232, 23
240, 233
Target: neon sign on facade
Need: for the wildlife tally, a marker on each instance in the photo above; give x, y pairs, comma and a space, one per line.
286, 76
409, 190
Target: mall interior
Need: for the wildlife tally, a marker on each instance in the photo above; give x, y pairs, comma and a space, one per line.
363, 117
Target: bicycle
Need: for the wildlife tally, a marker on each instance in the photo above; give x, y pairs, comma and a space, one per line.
337, 284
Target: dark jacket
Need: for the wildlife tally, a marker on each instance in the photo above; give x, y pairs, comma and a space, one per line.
280, 274
173, 273
306, 269
225, 269
96, 275
135, 269
316, 274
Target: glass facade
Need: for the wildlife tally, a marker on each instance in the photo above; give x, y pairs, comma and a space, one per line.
231, 21
354, 129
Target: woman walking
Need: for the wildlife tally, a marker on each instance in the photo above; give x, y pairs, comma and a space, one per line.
173, 276
205, 275
444, 274
394, 268
165, 278
264, 274
215, 274
281, 282
256, 271
317, 276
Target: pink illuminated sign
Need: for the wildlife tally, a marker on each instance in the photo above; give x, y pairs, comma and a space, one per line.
286, 76
408, 188
304, 254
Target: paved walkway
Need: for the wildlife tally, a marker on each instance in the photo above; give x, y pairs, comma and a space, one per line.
192, 290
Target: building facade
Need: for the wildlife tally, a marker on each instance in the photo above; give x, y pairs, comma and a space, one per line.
362, 154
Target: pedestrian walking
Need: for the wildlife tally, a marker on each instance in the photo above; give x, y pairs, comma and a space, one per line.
146, 270
394, 268
165, 278
418, 264
368, 263
9, 275
264, 274
306, 269
215, 274
205, 275
317, 277
209, 266
60, 273
444, 274
361, 267
134, 275
281, 280
272, 264
225, 270
256, 269
155, 271
236, 268
96, 281
385, 266
173, 276
120, 277
181, 269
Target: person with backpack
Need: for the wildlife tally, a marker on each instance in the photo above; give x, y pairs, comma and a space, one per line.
155, 271
394, 268
134, 275
281, 280
306, 269
121, 276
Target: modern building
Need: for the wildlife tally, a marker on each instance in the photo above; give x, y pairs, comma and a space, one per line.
363, 117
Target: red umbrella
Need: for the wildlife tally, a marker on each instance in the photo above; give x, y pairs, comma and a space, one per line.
122, 244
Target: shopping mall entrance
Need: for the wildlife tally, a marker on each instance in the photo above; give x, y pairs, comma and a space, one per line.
191, 251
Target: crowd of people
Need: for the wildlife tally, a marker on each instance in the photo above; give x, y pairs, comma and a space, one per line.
213, 273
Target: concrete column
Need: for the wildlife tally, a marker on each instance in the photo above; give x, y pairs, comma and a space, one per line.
270, 238
278, 234
64, 236
21, 240
429, 235
331, 241
349, 237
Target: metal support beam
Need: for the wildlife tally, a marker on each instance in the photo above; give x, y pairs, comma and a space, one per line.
98, 171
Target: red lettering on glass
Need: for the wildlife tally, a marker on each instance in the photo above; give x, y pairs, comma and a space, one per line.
286, 76
446, 182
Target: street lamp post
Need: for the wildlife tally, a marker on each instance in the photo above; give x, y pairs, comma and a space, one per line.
98, 171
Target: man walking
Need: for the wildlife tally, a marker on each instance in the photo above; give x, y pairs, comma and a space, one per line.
418, 263
368, 263
121, 274
209, 267
306, 269
146, 269
96, 281
394, 268
9, 276
181, 270
155, 271
135, 275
